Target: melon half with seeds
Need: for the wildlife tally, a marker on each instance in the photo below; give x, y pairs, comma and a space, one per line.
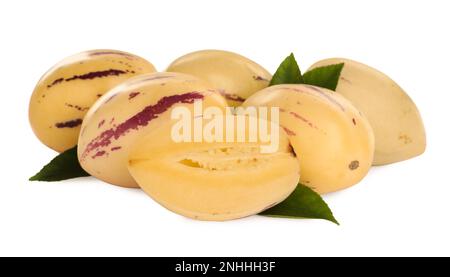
217, 179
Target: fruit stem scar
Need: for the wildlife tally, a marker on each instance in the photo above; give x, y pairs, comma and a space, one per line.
353, 165
69, 124
406, 139
140, 119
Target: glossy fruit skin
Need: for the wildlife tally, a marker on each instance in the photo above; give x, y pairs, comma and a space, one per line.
332, 140
127, 112
235, 76
395, 119
64, 94
212, 180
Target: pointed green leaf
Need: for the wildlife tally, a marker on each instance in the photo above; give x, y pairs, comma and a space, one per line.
287, 73
62, 167
325, 76
302, 203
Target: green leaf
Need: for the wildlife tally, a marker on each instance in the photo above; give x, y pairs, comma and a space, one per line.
302, 203
287, 73
62, 167
325, 76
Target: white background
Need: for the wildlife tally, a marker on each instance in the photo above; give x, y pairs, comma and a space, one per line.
400, 209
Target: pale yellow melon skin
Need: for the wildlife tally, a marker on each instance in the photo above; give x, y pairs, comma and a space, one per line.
395, 119
212, 180
236, 76
105, 156
333, 141
66, 92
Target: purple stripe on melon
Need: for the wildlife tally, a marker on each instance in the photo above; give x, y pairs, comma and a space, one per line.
288, 131
259, 78
79, 108
91, 75
69, 124
97, 74
100, 124
232, 97
55, 82
133, 94
310, 124
116, 148
327, 96
141, 119
98, 154
319, 92
345, 79
150, 77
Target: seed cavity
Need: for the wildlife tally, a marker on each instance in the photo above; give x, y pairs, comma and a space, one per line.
227, 158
